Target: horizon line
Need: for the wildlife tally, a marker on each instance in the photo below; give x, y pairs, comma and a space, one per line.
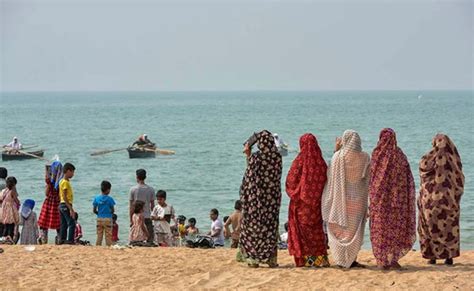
229, 90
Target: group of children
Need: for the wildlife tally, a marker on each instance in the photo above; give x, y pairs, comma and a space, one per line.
166, 229
171, 230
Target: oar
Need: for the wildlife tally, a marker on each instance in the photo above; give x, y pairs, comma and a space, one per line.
107, 151
27, 154
29, 147
161, 151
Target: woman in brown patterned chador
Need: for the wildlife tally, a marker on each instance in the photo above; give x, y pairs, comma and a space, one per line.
260, 195
442, 185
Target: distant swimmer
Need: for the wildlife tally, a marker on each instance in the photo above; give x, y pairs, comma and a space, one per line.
143, 141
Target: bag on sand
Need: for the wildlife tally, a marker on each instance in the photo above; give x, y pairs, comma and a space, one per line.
201, 241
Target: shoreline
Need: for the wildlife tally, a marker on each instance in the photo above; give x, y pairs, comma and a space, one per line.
79, 267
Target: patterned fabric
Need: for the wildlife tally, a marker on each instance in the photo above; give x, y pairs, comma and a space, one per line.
49, 216
344, 202
392, 201
304, 185
136, 231
442, 185
29, 231
312, 261
9, 212
260, 194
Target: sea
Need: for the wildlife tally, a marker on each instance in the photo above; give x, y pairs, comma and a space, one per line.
207, 130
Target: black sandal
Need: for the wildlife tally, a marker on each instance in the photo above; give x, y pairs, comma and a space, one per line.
355, 264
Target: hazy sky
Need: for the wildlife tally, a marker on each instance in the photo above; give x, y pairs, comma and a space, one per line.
236, 45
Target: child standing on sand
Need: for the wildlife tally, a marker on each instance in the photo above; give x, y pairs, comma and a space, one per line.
9, 212
66, 210
162, 215
138, 230
234, 220
115, 229
29, 231
103, 206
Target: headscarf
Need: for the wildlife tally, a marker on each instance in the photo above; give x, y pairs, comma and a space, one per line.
304, 185
307, 175
56, 173
336, 187
442, 185
345, 200
27, 208
437, 164
392, 201
260, 195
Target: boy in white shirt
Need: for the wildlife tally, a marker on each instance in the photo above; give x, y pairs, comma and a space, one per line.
161, 216
217, 228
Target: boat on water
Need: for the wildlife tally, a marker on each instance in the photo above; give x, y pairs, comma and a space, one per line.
10, 156
140, 153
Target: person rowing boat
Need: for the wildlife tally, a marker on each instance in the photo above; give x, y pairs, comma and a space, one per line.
144, 142
14, 146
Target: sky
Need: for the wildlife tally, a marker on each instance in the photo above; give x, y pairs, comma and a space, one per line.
107, 45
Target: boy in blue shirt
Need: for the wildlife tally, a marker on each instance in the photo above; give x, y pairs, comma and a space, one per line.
104, 208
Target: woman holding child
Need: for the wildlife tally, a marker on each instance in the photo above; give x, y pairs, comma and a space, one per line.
304, 185
260, 194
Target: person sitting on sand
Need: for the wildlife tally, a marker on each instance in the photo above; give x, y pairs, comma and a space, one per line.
217, 228
234, 221
138, 230
162, 215
29, 231
191, 229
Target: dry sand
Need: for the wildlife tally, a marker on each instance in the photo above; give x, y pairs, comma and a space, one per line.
93, 268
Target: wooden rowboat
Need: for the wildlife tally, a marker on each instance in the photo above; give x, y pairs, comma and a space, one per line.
6, 156
136, 153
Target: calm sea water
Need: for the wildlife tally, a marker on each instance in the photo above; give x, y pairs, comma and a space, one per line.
207, 129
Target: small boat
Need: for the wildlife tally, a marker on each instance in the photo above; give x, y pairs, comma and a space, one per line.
137, 153
283, 151
6, 156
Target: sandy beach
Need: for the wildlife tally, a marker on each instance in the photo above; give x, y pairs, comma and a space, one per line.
87, 268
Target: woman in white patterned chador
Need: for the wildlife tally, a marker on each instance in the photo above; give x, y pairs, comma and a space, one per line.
345, 199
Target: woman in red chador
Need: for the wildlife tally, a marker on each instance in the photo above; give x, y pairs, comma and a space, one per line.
304, 185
